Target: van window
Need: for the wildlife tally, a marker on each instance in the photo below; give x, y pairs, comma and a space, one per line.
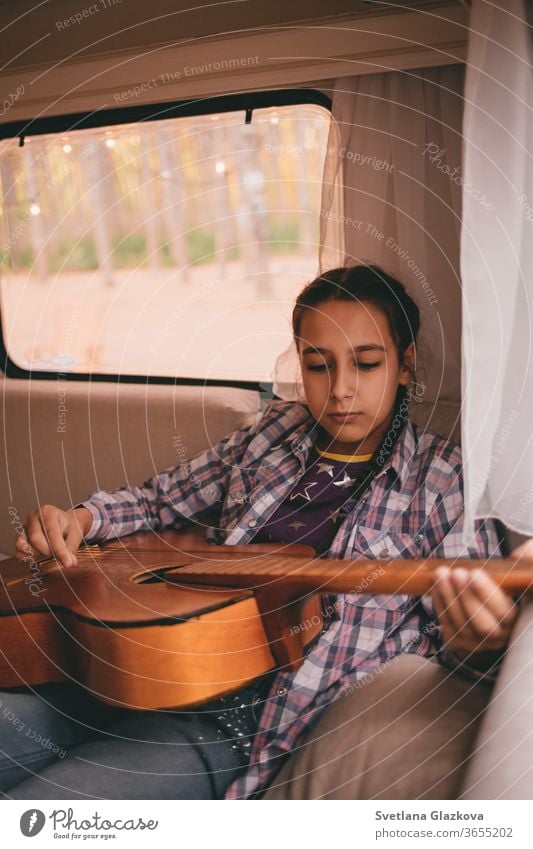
172, 248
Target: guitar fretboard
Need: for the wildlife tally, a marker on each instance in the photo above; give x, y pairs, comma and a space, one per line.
342, 576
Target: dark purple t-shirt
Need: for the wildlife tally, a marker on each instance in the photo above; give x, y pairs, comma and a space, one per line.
314, 509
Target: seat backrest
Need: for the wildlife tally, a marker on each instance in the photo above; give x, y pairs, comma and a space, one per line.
64, 440
440, 417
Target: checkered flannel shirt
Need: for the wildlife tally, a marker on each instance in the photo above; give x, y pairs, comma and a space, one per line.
412, 509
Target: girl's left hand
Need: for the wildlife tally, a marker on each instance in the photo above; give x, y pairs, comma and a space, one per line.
475, 615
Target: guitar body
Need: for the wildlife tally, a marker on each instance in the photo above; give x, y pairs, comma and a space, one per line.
167, 620
114, 624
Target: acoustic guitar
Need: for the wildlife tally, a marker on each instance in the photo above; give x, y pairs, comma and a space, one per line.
168, 620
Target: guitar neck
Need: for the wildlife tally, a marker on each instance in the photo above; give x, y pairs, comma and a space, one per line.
308, 574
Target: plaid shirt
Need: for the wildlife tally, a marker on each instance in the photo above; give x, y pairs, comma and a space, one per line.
412, 509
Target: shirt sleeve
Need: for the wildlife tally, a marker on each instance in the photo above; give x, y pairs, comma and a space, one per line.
445, 528
174, 498
445, 525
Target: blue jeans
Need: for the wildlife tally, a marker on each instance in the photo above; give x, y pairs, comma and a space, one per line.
57, 742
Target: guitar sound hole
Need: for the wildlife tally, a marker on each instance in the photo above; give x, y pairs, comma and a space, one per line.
156, 576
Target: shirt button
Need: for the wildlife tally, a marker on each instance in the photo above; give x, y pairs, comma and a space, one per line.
384, 553
252, 523
281, 691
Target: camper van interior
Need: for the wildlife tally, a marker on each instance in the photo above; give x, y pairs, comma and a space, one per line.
172, 176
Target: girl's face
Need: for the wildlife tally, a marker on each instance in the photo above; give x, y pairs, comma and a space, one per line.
351, 372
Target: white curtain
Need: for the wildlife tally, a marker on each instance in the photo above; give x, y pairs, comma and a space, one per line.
497, 267
392, 195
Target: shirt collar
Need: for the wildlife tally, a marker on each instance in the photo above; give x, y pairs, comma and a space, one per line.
404, 450
303, 438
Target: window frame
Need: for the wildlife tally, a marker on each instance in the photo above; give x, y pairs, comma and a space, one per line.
246, 102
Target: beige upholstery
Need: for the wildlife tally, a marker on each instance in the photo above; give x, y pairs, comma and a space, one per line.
502, 766
404, 732
441, 417
63, 440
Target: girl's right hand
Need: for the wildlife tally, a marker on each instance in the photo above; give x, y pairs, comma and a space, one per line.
54, 532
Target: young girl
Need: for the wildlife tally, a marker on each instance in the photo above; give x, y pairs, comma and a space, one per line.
347, 473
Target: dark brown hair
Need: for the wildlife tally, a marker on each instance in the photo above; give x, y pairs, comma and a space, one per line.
364, 284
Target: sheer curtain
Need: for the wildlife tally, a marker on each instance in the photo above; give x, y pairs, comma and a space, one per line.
497, 267
392, 195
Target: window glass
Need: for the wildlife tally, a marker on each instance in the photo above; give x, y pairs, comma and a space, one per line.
172, 247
